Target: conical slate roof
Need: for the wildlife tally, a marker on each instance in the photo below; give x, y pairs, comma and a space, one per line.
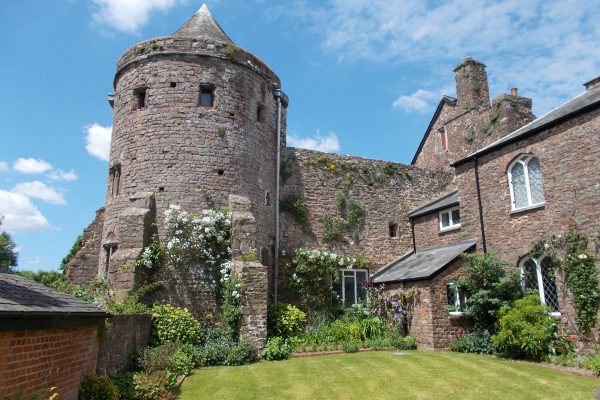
203, 24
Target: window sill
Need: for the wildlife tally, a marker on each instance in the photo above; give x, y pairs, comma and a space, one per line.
522, 209
456, 313
450, 228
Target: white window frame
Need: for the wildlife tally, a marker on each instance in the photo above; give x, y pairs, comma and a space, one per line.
343, 286
524, 160
452, 226
459, 301
439, 132
540, 280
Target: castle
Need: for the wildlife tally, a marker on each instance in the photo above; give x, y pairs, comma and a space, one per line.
201, 123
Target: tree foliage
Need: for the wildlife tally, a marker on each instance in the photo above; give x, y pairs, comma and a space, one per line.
8, 254
74, 249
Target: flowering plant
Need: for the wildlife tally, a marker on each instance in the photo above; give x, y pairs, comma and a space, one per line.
231, 307
394, 308
201, 240
315, 273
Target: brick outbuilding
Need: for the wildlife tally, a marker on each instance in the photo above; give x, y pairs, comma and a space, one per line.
47, 338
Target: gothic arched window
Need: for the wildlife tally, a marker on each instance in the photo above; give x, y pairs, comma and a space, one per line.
525, 181
538, 275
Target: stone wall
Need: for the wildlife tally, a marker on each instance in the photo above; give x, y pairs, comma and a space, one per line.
253, 275
84, 266
40, 359
428, 234
471, 123
126, 336
253, 300
432, 325
187, 154
568, 153
386, 191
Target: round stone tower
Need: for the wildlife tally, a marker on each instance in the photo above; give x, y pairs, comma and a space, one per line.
195, 120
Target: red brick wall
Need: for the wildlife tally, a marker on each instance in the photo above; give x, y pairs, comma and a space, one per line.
41, 359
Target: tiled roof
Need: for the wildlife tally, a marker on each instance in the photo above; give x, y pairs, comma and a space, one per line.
22, 297
446, 201
423, 264
571, 108
203, 24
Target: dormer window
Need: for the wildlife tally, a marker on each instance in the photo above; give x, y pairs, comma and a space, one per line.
206, 95
140, 98
449, 219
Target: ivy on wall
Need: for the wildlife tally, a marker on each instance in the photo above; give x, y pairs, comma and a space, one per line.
351, 223
570, 253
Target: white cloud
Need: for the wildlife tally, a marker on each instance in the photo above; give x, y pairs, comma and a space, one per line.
419, 101
128, 15
35, 261
39, 190
4, 166
60, 175
328, 143
98, 141
546, 48
20, 214
31, 166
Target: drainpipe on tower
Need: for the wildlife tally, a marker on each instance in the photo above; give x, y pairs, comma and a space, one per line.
281, 99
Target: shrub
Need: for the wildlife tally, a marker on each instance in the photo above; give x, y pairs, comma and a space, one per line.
216, 347
124, 384
232, 311
593, 364
174, 324
526, 330
286, 321
158, 358
350, 347
345, 332
478, 342
489, 284
152, 386
94, 387
277, 348
241, 353
183, 360
406, 343
372, 327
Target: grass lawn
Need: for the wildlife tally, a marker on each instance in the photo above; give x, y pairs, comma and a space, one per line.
383, 375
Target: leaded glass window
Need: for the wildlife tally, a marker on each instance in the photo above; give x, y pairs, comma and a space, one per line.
539, 276
449, 219
525, 181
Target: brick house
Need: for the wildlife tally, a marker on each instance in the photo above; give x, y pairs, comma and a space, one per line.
47, 339
511, 187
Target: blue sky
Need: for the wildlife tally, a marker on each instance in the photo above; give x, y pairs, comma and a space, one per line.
363, 77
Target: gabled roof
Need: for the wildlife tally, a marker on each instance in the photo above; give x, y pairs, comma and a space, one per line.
203, 24
21, 297
572, 108
445, 100
422, 265
446, 201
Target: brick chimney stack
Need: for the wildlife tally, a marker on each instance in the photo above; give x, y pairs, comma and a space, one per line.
472, 88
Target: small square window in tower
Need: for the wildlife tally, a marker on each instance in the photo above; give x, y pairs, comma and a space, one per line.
140, 98
109, 250
393, 230
206, 95
260, 114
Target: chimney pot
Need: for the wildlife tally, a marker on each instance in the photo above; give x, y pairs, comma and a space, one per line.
514, 91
